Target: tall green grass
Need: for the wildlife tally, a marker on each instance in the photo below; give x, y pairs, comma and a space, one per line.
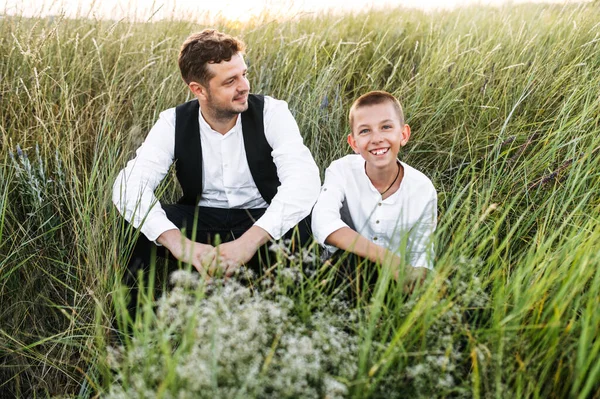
504, 105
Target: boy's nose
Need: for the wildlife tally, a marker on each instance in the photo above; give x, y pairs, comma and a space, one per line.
376, 137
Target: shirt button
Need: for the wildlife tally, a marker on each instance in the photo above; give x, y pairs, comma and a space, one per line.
377, 221
374, 238
379, 204
325, 189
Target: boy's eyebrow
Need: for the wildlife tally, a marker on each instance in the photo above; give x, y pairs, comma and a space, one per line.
367, 125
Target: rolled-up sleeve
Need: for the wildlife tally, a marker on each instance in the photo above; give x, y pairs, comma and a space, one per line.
326, 217
296, 170
133, 189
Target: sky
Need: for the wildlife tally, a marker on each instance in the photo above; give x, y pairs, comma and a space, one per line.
241, 10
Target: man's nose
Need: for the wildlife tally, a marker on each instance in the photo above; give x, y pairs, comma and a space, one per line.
244, 85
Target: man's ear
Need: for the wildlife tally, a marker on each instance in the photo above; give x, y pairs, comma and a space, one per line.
352, 143
405, 135
199, 91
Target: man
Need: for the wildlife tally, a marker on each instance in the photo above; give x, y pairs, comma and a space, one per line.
245, 173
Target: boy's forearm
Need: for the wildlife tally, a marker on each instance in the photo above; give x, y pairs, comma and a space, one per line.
349, 240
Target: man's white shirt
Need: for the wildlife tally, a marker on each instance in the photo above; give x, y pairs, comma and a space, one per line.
226, 178
403, 223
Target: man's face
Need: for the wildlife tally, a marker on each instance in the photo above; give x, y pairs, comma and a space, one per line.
227, 91
377, 134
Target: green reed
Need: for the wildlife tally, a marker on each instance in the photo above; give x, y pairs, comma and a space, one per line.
504, 105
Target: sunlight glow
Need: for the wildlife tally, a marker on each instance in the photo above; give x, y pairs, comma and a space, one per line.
234, 10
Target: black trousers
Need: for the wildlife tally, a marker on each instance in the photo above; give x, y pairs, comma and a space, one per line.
203, 224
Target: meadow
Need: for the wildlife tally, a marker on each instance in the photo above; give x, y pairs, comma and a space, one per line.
504, 106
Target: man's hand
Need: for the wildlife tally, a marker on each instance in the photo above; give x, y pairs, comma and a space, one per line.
233, 254
238, 252
188, 251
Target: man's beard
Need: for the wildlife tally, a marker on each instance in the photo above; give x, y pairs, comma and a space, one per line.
225, 113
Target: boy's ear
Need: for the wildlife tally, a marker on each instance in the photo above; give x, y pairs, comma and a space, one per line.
198, 90
405, 135
352, 142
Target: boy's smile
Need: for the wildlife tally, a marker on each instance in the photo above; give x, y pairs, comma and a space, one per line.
377, 134
380, 151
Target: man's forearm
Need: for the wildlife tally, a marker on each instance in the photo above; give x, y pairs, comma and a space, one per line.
255, 236
170, 239
242, 249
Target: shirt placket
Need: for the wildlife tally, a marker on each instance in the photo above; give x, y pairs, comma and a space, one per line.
375, 221
385, 227
227, 167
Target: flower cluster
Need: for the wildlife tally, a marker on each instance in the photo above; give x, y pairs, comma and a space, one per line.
438, 366
224, 340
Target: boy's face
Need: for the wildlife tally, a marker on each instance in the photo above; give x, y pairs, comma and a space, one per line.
377, 134
226, 93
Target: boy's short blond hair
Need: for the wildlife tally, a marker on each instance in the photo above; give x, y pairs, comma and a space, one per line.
207, 47
375, 98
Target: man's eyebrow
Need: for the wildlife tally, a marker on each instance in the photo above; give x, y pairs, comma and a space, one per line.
234, 76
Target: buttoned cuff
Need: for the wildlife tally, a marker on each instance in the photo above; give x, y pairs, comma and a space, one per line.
272, 225
153, 228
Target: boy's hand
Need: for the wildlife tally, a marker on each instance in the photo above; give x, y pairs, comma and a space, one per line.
414, 277
393, 262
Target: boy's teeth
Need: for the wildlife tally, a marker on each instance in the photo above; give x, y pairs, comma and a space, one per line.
379, 152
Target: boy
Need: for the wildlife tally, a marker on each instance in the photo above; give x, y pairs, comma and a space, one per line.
373, 205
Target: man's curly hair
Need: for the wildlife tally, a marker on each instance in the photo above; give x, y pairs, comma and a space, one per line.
206, 47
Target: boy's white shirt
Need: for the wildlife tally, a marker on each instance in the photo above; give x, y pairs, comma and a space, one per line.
403, 223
